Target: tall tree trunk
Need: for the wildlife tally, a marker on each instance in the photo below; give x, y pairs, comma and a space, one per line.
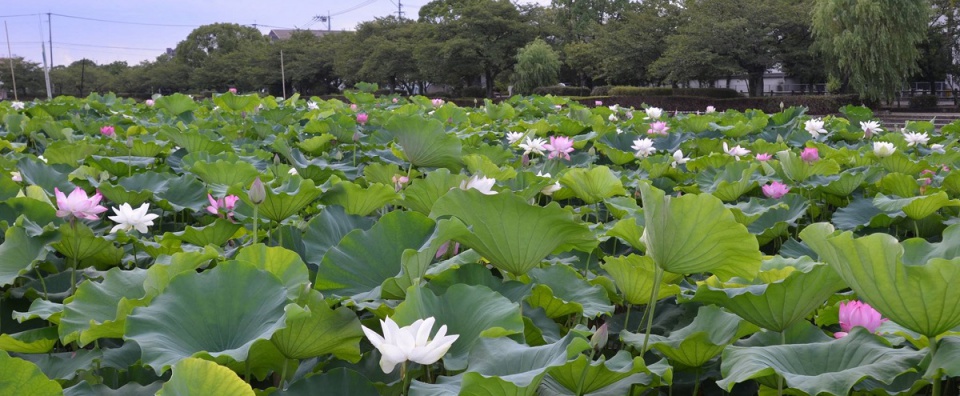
755, 83
488, 75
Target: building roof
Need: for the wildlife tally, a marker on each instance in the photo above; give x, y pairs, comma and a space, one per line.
284, 34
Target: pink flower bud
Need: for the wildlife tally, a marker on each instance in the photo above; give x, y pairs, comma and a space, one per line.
810, 154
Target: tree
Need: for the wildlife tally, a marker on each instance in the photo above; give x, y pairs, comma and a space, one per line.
224, 54
380, 51
724, 38
627, 46
871, 47
471, 37
578, 19
537, 65
80, 78
29, 75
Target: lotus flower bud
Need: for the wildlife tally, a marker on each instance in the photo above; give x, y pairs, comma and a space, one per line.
257, 192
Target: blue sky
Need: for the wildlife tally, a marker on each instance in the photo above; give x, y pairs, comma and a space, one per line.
105, 42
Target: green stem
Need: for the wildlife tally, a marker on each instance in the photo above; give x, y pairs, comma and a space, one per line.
936, 380
652, 305
283, 373
696, 384
783, 341
43, 284
76, 254
405, 378
256, 225
626, 320
583, 375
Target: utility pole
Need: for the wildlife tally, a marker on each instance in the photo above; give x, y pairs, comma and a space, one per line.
328, 20
283, 75
10, 60
50, 34
399, 9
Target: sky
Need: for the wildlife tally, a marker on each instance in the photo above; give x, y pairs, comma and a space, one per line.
89, 29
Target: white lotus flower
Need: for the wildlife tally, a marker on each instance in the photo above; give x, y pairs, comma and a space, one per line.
711, 109
541, 174
883, 149
736, 151
615, 108
15, 176
313, 105
937, 148
814, 127
678, 158
536, 145
17, 105
643, 147
870, 128
916, 138
550, 189
128, 218
293, 172
619, 131
513, 137
482, 184
409, 343
654, 113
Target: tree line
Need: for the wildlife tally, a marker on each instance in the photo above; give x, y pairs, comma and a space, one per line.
478, 47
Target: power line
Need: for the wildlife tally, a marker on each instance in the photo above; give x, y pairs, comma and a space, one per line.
125, 22
18, 16
354, 8
112, 47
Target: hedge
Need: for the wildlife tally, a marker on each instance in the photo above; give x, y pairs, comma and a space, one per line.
640, 91
558, 90
923, 102
816, 104
719, 93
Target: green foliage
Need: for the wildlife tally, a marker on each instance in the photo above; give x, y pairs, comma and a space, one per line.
872, 48
537, 65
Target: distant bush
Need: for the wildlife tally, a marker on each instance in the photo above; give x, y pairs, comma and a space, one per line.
719, 93
558, 90
473, 92
639, 91
601, 90
923, 102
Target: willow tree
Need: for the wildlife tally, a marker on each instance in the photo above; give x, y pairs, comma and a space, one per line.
870, 46
537, 65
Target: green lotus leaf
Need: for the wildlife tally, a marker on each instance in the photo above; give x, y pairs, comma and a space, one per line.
65, 365
915, 207
617, 146
321, 331
582, 376
282, 263
423, 193
40, 309
592, 185
327, 229
121, 165
425, 143
176, 104
831, 368
798, 170
21, 377
711, 331
339, 381
80, 243
912, 284
473, 312
630, 231
358, 200
477, 274
947, 359
48, 177
183, 192
195, 142
236, 103
165, 268
364, 259
847, 182
192, 376
136, 189
514, 235
264, 360
284, 201
19, 252
69, 153
213, 234
634, 277
901, 163
696, 233
225, 173
120, 194
560, 291
481, 165
730, 182
900, 185
777, 305
147, 148
130, 389
177, 324
39, 340
862, 212
781, 215
98, 310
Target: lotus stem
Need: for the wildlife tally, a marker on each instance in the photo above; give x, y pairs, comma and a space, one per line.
283, 374
783, 341
43, 284
76, 256
652, 306
256, 223
404, 379
696, 383
936, 379
626, 320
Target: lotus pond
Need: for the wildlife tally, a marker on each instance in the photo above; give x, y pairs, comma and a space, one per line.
253, 246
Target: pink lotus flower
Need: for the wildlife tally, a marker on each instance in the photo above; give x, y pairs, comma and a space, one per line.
395, 100
764, 157
658, 128
810, 154
108, 131
362, 118
437, 102
232, 90
149, 102
222, 206
353, 107
775, 190
399, 181
559, 146
79, 205
598, 103
856, 313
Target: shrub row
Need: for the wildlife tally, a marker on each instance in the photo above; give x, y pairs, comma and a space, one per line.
719, 93
923, 102
768, 104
